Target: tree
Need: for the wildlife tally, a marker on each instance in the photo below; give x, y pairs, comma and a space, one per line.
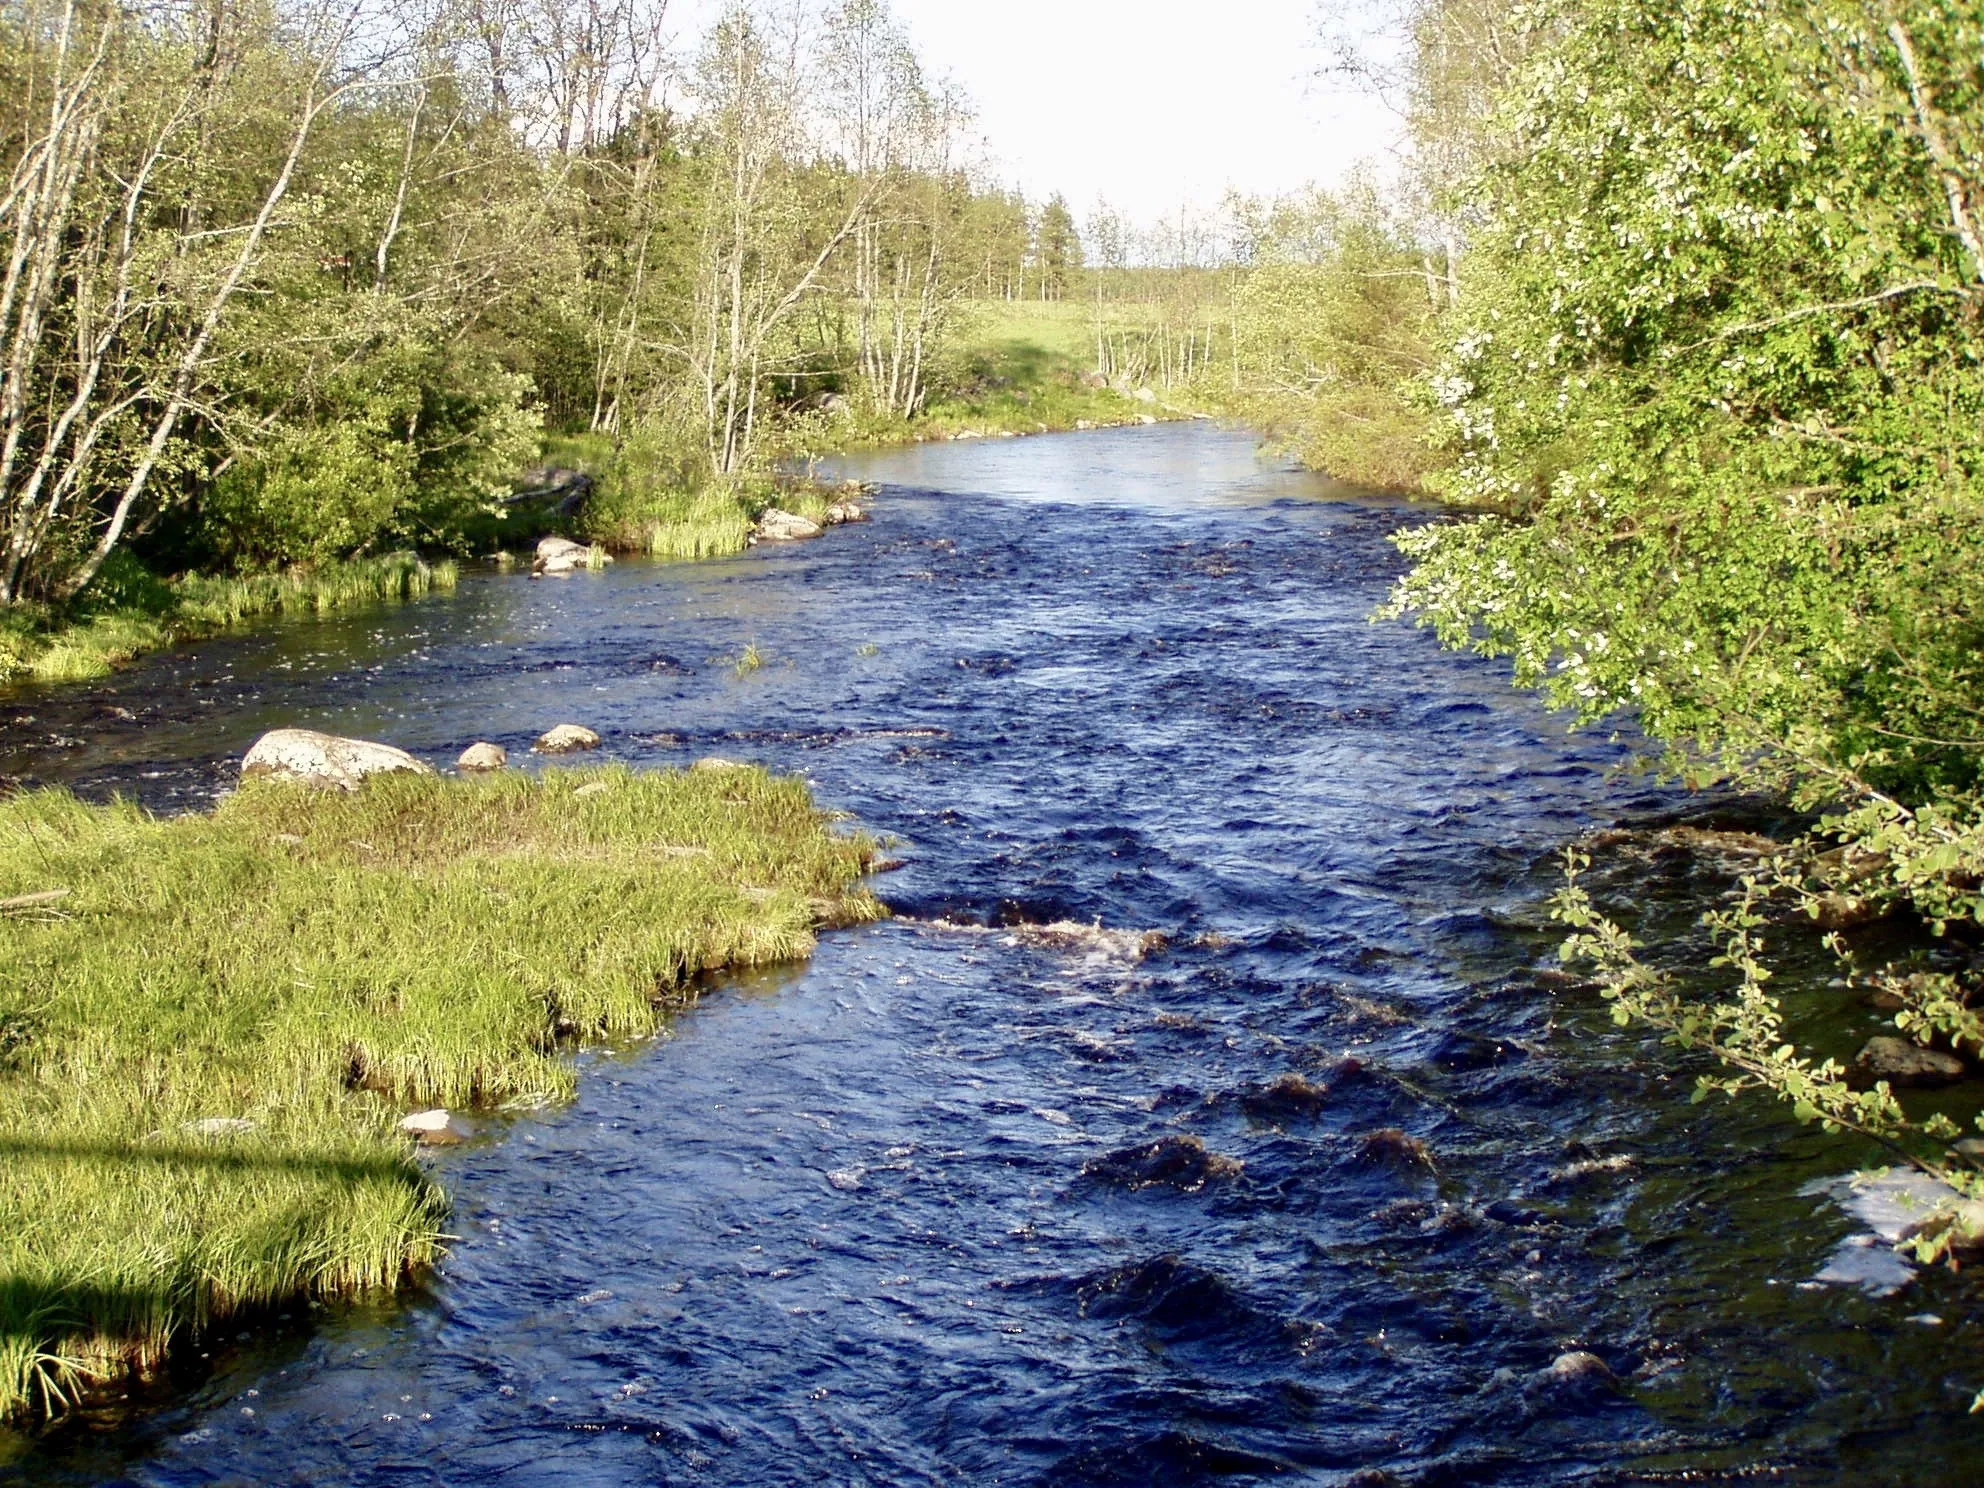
1057, 251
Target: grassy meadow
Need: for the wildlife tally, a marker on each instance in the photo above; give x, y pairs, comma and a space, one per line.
210, 1024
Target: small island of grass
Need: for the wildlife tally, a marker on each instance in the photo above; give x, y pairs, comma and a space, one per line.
210, 1025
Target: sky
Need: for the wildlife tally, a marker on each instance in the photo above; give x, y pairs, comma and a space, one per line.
1151, 104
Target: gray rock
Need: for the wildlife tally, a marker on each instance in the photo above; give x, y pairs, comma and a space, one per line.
566, 738
1901, 1063
1144, 395
483, 756
1094, 380
561, 555
325, 760
718, 762
845, 511
784, 526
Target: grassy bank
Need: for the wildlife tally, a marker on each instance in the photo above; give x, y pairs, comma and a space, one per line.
129, 612
207, 1038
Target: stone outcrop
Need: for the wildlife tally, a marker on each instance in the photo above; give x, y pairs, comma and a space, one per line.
326, 761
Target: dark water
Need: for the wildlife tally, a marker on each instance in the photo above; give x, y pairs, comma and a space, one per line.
839, 1228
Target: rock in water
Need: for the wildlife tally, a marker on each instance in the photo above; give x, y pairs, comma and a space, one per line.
325, 760
436, 1128
557, 555
483, 756
842, 512
566, 738
784, 526
1576, 1374
1901, 1063
1177, 1162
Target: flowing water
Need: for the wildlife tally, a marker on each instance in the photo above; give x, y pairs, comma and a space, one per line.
892, 1217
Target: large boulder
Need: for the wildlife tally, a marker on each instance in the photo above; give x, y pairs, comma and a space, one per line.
784, 526
483, 756
842, 512
325, 760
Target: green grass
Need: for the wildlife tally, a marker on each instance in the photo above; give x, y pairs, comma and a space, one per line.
131, 613
315, 964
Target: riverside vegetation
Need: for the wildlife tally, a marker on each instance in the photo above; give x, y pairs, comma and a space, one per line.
210, 1024
295, 284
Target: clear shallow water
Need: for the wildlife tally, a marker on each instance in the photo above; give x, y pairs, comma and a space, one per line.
837, 1228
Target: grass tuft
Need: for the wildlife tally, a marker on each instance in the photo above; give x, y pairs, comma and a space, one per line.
304, 966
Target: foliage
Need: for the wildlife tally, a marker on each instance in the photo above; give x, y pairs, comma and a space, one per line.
1334, 327
1717, 372
209, 1035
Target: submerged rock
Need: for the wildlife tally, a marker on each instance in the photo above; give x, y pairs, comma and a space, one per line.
784, 526
1097, 940
326, 761
1574, 1374
1901, 1063
483, 756
1285, 1097
1176, 1162
1388, 1144
566, 738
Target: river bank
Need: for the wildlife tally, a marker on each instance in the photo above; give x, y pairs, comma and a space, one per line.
210, 1025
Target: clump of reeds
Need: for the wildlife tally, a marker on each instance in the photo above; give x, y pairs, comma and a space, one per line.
207, 1037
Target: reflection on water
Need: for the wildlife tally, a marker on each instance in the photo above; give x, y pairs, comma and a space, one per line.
860, 1222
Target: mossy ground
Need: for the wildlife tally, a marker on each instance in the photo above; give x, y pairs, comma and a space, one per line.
206, 1042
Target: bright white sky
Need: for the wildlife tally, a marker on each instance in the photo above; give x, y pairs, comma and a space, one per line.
1153, 104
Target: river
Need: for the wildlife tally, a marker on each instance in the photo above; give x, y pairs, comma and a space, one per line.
857, 1222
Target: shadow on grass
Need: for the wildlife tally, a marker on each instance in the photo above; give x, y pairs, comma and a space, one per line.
202, 1155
